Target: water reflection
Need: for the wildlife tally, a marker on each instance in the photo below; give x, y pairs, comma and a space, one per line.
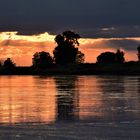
109, 98
113, 92
67, 98
90, 98
35, 99
27, 99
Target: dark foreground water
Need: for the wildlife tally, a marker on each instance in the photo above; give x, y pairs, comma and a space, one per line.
69, 107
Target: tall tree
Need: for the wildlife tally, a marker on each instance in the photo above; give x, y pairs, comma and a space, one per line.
66, 52
42, 60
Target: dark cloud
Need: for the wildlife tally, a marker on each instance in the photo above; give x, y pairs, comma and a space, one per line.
126, 44
110, 32
86, 16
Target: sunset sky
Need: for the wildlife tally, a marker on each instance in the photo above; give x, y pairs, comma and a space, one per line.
27, 26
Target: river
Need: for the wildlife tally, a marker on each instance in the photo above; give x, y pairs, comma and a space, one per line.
60, 100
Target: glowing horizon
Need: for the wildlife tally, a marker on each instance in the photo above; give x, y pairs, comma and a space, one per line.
22, 47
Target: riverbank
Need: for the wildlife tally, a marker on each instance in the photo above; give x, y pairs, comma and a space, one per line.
77, 131
128, 68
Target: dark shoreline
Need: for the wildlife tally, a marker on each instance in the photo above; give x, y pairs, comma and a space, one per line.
128, 68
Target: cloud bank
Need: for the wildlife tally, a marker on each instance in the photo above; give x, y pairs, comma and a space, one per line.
91, 18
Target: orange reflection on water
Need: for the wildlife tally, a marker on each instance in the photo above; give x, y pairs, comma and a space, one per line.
24, 100
90, 99
35, 99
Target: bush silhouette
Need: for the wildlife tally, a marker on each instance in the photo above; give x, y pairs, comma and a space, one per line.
106, 57
8, 63
42, 60
111, 57
66, 52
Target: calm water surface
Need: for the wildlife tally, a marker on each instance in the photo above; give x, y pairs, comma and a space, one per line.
54, 99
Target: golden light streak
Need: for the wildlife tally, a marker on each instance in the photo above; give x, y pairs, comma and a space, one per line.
33, 38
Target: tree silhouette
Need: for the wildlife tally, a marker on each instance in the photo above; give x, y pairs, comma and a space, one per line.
66, 52
120, 56
80, 58
42, 60
138, 48
0, 63
106, 57
111, 57
8, 63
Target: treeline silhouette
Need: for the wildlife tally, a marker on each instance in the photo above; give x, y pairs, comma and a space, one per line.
64, 53
68, 59
8, 63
